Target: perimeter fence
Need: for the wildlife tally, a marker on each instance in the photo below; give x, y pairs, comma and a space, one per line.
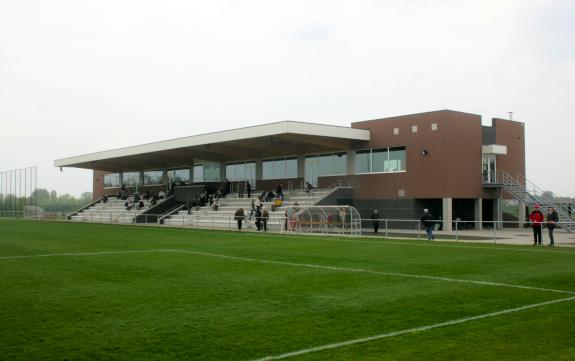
468, 231
18, 190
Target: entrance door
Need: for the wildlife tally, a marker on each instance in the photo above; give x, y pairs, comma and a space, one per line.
312, 170
489, 168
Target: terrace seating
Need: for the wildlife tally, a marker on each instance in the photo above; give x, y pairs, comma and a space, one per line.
223, 218
112, 211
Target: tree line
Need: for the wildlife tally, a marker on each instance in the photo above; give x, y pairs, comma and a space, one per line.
49, 201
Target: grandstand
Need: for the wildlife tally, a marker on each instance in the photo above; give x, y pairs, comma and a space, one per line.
113, 211
205, 217
445, 161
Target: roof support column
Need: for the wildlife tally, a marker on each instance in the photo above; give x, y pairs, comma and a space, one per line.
447, 214
259, 172
497, 213
350, 162
301, 170
478, 213
222, 171
522, 215
191, 169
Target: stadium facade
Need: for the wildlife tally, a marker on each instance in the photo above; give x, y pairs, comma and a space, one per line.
444, 160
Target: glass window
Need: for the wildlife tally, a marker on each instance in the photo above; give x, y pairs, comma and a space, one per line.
267, 169
112, 180
339, 163
396, 160
211, 172
131, 179
291, 168
311, 169
230, 171
325, 164
198, 173
363, 161
179, 175
379, 158
206, 171
153, 177
279, 168
241, 171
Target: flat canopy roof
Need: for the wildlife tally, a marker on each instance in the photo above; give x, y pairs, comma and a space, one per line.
257, 142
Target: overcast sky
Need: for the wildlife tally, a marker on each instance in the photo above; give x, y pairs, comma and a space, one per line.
83, 76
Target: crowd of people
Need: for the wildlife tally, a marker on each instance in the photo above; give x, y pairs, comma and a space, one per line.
257, 211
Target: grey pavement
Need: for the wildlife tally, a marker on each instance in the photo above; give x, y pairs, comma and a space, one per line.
521, 236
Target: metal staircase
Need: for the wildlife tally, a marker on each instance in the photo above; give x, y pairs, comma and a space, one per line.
527, 192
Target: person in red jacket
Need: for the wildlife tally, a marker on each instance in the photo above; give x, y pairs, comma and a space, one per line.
536, 218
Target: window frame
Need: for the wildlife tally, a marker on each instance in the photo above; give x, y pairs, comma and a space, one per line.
370, 160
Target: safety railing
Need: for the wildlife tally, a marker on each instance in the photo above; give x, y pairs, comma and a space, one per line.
512, 231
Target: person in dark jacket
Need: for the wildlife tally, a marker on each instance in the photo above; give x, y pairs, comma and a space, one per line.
427, 221
249, 189
239, 217
375, 219
552, 219
279, 192
308, 188
258, 214
536, 218
270, 196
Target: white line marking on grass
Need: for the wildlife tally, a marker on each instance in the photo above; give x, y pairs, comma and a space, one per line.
359, 270
411, 330
84, 254
307, 265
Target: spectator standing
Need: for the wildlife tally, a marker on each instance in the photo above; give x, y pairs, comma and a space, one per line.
265, 218
536, 218
552, 219
427, 221
258, 202
239, 217
279, 192
375, 219
258, 215
104, 199
252, 209
249, 189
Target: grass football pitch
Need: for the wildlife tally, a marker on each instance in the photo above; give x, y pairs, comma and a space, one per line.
99, 292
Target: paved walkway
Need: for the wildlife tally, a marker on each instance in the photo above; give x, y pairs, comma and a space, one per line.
523, 236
